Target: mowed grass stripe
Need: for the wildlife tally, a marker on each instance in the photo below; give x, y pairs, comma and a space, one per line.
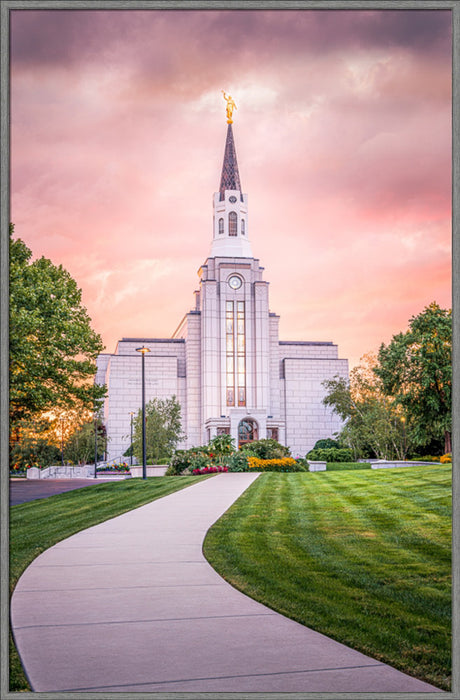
362, 557
38, 525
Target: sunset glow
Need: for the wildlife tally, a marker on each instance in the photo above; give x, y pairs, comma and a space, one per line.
343, 137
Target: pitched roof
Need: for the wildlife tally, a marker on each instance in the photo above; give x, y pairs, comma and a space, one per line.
230, 178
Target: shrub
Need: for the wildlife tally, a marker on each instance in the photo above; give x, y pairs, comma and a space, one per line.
286, 464
267, 448
326, 443
446, 459
34, 453
200, 460
186, 460
238, 462
221, 447
178, 462
331, 454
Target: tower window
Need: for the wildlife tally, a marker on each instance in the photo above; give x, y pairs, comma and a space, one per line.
221, 225
242, 227
232, 223
235, 353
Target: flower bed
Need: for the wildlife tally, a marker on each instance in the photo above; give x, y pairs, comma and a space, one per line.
287, 464
210, 470
122, 467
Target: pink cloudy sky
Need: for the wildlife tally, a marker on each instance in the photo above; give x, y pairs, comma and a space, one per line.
343, 136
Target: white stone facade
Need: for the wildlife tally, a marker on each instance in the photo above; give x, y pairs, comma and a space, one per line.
225, 362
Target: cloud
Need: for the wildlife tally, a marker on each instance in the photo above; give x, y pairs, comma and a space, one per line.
343, 135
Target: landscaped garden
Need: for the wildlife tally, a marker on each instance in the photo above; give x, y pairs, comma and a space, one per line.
361, 556
364, 555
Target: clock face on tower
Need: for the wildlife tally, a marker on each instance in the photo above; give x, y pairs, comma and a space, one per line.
235, 282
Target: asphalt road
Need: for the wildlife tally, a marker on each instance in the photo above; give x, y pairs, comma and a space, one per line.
24, 490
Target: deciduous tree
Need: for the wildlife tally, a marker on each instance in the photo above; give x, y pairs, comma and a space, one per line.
163, 429
81, 446
374, 422
416, 370
52, 345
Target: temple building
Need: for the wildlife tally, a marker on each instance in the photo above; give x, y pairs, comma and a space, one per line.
225, 362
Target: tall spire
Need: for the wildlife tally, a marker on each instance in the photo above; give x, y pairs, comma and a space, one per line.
230, 205
230, 178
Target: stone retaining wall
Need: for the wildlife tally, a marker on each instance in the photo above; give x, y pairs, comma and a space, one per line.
85, 471
316, 466
152, 470
381, 464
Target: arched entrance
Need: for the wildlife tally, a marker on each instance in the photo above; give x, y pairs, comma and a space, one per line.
247, 431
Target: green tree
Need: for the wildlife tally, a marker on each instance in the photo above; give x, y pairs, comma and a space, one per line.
162, 432
52, 345
374, 423
80, 447
416, 370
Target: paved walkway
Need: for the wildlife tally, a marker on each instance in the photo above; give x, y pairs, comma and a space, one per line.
132, 605
25, 490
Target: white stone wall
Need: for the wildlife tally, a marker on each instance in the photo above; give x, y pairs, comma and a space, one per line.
307, 418
274, 360
192, 400
164, 377
102, 363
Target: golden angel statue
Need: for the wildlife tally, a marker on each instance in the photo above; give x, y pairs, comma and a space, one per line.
230, 107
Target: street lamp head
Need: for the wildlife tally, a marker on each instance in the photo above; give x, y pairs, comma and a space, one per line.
143, 350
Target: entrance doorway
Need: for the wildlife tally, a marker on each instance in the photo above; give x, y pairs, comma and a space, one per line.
247, 431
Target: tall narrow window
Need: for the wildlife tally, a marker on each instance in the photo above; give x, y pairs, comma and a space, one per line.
235, 344
243, 230
230, 360
221, 225
232, 223
241, 353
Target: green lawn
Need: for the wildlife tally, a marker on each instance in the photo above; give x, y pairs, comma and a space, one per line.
37, 525
363, 557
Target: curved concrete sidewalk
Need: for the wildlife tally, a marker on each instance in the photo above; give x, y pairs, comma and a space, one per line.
132, 605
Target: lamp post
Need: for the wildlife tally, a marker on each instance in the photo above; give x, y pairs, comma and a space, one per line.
403, 420
62, 442
143, 352
131, 449
95, 445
